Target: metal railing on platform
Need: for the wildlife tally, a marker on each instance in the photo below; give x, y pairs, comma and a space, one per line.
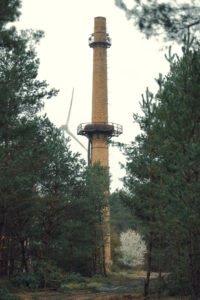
109, 129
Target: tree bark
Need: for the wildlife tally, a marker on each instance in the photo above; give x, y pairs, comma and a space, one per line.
160, 259
147, 281
24, 258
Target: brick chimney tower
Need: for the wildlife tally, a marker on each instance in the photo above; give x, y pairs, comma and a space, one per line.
99, 130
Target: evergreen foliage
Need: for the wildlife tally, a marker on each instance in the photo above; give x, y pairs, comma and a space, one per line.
97, 193
51, 205
120, 216
162, 173
169, 20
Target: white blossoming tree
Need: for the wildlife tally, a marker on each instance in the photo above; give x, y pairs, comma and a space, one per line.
132, 248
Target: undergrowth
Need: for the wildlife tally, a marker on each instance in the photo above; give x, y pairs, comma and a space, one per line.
5, 295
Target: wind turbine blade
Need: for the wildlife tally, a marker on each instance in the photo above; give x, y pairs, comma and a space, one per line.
70, 107
74, 137
66, 127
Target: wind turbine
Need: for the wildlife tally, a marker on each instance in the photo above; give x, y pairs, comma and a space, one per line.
65, 127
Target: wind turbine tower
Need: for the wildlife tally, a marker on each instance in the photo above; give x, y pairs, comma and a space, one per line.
99, 130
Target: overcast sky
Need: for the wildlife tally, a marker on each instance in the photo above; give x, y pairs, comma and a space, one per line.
66, 63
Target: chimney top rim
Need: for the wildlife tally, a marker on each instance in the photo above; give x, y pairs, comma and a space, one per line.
99, 17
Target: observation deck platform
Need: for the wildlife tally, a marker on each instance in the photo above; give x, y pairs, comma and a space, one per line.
108, 129
95, 43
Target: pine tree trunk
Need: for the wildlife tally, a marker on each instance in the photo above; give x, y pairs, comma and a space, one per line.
3, 218
196, 255
24, 258
11, 257
71, 255
147, 281
45, 242
95, 250
49, 227
11, 267
2, 240
103, 252
160, 259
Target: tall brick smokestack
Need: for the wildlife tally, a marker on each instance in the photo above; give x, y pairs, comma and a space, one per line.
99, 130
99, 93
99, 149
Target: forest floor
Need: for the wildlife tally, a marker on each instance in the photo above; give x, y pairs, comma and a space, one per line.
117, 286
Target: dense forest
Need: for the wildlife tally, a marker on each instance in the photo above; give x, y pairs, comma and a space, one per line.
52, 204
47, 204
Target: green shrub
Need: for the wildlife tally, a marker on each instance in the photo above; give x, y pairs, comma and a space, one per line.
98, 277
26, 280
172, 286
74, 277
53, 280
42, 279
5, 295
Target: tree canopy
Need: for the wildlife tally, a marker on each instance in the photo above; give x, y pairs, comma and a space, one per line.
163, 19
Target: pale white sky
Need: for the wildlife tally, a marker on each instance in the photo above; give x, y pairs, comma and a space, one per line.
66, 63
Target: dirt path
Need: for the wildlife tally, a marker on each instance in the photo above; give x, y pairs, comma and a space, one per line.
59, 296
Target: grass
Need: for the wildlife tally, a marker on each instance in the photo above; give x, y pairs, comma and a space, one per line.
132, 274
77, 287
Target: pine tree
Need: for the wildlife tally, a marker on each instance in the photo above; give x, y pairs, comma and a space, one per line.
179, 107
162, 171
20, 100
